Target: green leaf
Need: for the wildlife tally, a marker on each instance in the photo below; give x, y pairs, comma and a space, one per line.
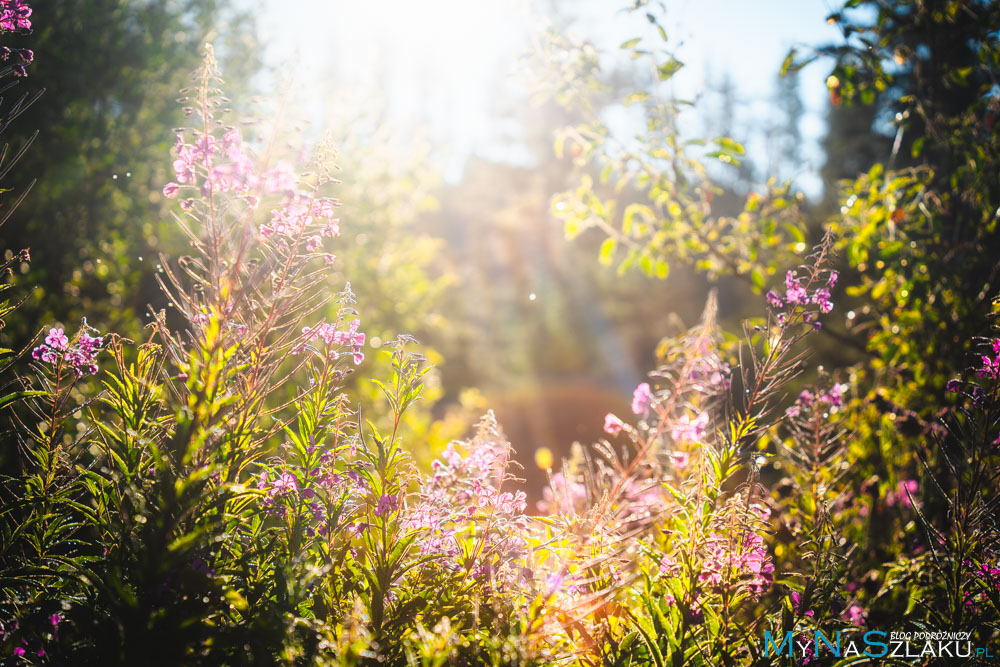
786, 65
19, 395
730, 145
635, 98
796, 233
662, 269
607, 251
669, 68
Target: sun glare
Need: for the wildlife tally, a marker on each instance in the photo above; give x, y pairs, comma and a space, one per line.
438, 64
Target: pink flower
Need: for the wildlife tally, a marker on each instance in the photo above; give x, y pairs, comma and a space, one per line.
681, 459
57, 339
669, 567
797, 605
797, 295
855, 615
642, 398
774, 299
612, 425
170, 190
821, 297
689, 430
835, 396
386, 505
336, 340
184, 170
285, 483
990, 367
905, 488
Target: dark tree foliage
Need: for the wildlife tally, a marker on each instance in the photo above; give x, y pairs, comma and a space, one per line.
920, 79
111, 69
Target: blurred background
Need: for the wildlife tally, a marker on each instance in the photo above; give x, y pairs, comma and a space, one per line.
448, 170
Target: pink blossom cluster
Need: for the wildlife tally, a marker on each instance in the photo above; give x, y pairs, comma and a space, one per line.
798, 294
388, 503
24, 56
612, 424
485, 459
336, 340
985, 578
469, 484
292, 487
709, 373
797, 605
642, 399
466, 487
301, 213
905, 488
438, 535
490, 501
80, 354
25, 647
226, 165
855, 615
987, 369
211, 165
754, 561
283, 484
279, 487
830, 398
14, 15
748, 561
990, 366
687, 429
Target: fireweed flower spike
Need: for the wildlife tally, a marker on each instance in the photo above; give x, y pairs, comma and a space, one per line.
78, 355
337, 342
797, 292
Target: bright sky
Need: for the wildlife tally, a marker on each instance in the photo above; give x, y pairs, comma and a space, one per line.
441, 63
